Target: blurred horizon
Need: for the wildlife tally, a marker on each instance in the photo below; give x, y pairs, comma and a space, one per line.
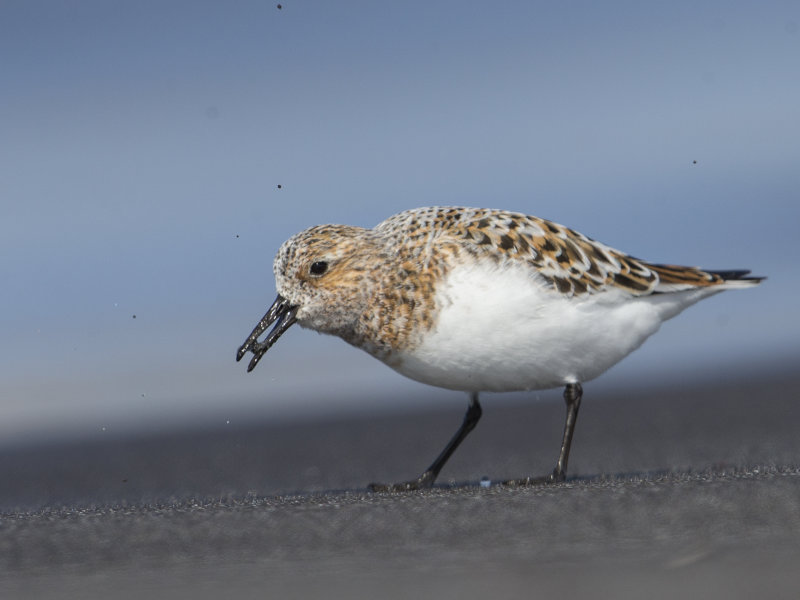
156, 155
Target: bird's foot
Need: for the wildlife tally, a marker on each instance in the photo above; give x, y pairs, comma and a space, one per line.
423, 482
554, 477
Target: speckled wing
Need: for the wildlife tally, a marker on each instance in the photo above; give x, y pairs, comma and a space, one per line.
569, 261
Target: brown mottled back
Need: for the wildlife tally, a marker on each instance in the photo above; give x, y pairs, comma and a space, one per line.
569, 261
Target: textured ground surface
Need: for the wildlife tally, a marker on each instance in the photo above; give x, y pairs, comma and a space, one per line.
685, 492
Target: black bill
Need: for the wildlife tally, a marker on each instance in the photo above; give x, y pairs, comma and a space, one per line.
283, 315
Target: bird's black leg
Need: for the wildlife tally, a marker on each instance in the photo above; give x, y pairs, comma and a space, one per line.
426, 480
572, 397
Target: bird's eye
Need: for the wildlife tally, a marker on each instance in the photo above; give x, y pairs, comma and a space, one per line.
319, 267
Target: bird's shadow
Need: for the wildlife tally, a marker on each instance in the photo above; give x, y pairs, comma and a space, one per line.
543, 482
590, 480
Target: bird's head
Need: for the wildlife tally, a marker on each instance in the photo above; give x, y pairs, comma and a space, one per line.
324, 278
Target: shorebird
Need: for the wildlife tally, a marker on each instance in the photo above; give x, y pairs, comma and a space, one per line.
479, 300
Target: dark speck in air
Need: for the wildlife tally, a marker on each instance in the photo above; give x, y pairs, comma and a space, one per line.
134, 316
279, 186
279, 7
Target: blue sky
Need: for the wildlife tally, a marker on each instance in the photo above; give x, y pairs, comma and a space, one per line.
143, 145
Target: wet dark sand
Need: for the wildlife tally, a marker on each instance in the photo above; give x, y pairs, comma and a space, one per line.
690, 491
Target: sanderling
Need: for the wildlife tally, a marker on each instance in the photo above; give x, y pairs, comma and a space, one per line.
479, 300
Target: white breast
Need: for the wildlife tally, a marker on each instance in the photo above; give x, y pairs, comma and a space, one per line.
500, 328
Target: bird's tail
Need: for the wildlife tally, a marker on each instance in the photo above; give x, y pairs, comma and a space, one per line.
736, 278
673, 278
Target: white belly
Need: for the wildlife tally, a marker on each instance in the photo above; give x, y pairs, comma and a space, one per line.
499, 330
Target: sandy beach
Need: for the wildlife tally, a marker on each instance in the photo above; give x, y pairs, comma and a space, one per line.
673, 492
